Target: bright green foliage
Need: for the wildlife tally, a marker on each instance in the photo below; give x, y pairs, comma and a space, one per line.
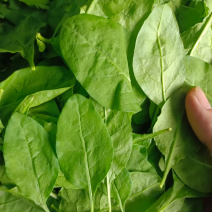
91, 39
159, 56
92, 105
88, 148
35, 162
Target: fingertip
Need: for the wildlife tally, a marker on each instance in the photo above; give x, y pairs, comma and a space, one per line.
199, 114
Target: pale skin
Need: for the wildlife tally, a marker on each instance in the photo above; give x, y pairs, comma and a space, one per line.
199, 113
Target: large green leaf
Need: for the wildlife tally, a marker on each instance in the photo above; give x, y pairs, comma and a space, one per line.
15, 39
181, 142
94, 49
25, 82
88, 148
34, 169
178, 191
197, 40
158, 61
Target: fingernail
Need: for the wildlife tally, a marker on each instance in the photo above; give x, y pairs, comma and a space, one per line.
202, 99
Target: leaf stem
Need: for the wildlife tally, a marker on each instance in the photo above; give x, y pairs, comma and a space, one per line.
40, 37
152, 135
164, 177
1, 93
92, 206
53, 195
108, 194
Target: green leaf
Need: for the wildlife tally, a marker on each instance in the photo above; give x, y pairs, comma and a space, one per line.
35, 162
9, 203
200, 166
181, 142
178, 191
197, 40
158, 61
21, 39
138, 11
95, 64
37, 3
39, 98
121, 188
88, 147
22, 83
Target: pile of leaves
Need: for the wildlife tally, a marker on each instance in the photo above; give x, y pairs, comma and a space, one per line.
92, 114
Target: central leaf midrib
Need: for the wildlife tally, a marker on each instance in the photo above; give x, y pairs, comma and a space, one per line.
86, 157
161, 60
